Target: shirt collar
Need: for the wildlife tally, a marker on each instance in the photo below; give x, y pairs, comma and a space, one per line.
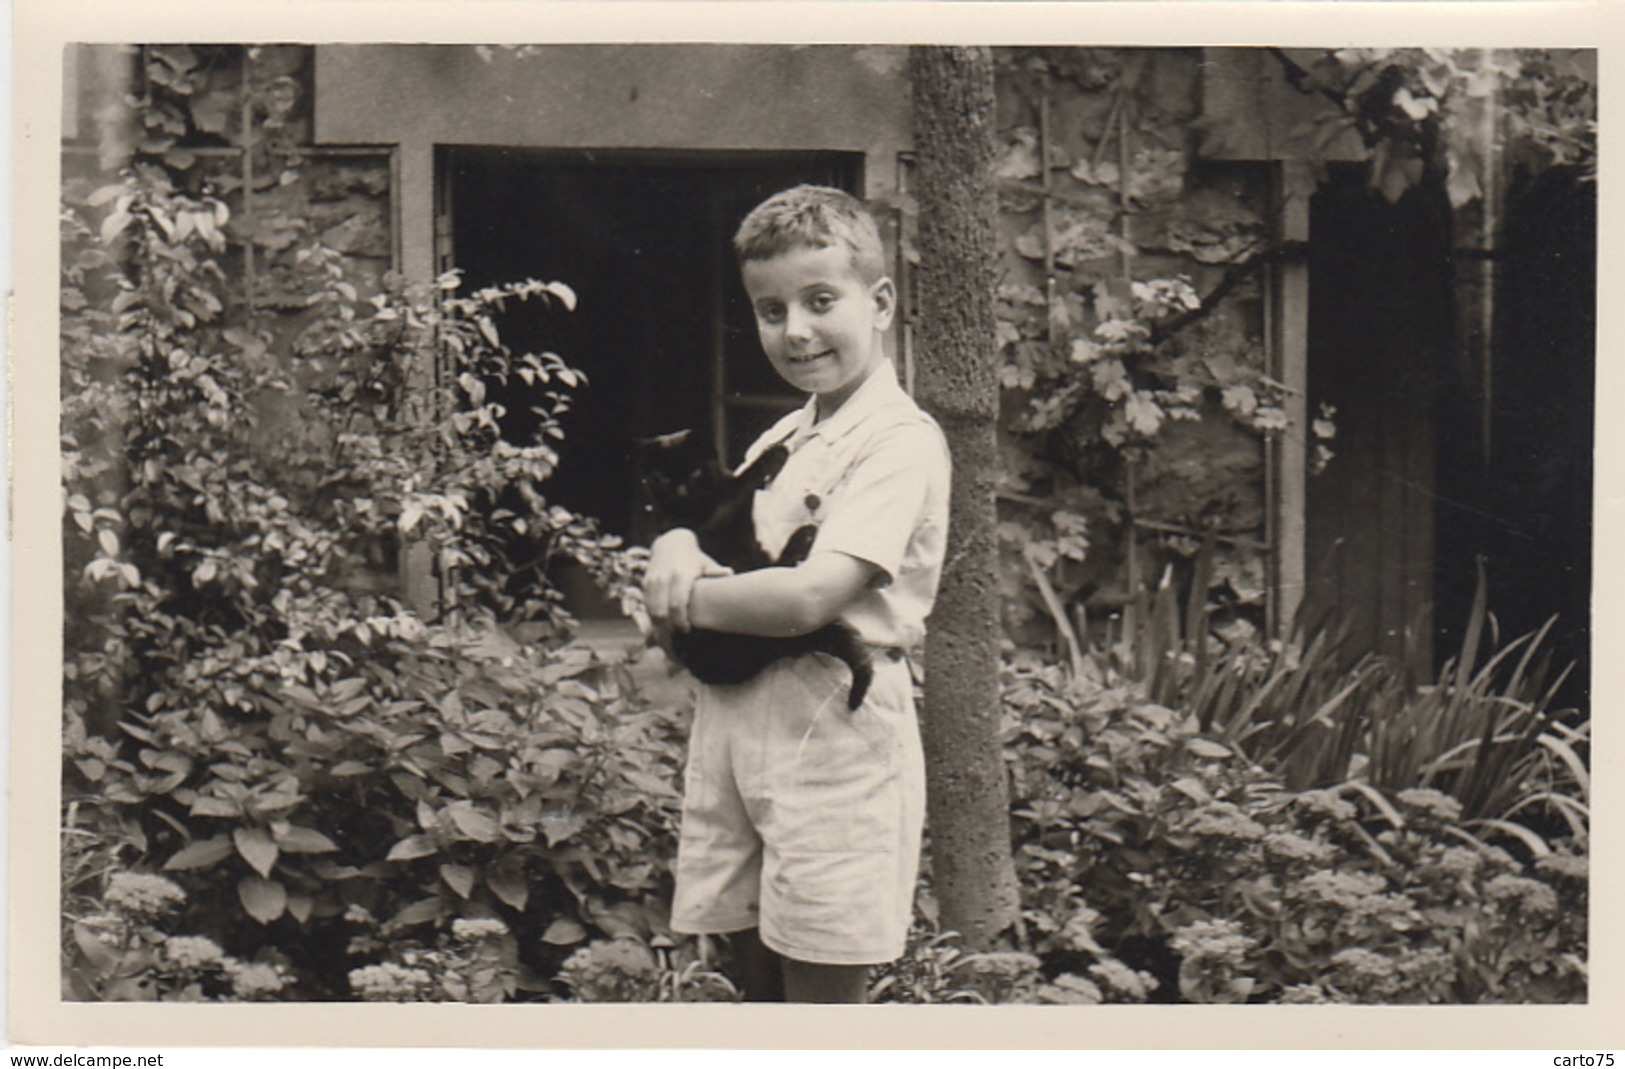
880, 389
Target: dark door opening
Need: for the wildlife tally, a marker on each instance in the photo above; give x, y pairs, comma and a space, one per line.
1380, 334
1537, 538
1428, 481
662, 329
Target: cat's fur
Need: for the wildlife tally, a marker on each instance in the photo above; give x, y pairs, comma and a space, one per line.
686, 487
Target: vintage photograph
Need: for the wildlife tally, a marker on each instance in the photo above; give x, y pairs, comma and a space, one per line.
929, 524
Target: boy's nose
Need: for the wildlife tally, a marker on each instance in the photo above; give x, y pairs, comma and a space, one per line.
797, 326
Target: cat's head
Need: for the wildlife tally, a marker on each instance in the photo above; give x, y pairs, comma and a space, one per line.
681, 477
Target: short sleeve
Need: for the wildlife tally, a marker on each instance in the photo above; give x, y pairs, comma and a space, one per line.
885, 498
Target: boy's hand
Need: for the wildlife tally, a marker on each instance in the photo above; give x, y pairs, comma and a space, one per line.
676, 563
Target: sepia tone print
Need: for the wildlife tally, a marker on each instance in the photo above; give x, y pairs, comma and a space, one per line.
1260, 670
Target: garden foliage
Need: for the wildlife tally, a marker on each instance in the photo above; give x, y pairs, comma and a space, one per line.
1282, 851
311, 774
281, 780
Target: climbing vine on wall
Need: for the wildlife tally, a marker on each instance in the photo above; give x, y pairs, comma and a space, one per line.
1422, 110
1137, 391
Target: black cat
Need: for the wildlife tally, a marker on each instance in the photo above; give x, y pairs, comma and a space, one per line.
686, 487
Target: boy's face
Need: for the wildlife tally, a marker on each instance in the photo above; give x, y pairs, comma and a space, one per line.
820, 323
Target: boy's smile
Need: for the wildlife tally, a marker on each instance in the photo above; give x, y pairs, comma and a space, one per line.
820, 324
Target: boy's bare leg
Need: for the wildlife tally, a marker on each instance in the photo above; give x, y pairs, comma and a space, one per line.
761, 977
805, 981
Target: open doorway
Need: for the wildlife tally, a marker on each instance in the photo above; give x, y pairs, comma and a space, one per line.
662, 328
1434, 473
1381, 335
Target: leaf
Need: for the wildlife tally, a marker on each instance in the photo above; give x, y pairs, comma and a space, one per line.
1462, 185
559, 828
1143, 414
564, 932
1397, 176
425, 909
208, 805
510, 887
113, 225
413, 847
1537, 845
108, 541
257, 848
105, 195
101, 956
473, 823
211, 110
297, 840
1193, 789
1240, 399
349, 768
1207, 748
300, 907
459, 878
473, 387
265, 900
201, 854
565, 294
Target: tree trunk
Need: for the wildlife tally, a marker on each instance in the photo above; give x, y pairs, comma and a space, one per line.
957, 382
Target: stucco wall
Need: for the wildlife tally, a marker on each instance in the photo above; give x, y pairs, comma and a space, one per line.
640, 96
658, 97
1188, 215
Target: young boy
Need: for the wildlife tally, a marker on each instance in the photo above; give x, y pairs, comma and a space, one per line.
801, 819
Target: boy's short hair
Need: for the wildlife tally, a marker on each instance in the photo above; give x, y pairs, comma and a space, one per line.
817, 217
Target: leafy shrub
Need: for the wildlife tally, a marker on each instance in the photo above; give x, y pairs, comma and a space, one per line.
248, 705
1210, 874
124, 953
1484, 729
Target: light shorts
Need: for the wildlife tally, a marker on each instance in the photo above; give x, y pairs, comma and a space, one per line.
801, 817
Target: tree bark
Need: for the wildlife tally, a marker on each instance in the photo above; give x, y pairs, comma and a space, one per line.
956, 378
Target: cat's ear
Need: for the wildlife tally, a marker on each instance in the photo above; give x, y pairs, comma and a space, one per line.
664, 441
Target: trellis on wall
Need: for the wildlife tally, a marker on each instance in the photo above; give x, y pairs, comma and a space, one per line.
1145, 412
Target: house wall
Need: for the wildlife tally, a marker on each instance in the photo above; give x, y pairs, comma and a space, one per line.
1208, 128
1208, 139
1187, 210
714, 98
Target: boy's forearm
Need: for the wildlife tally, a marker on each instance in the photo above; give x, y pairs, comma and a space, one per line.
779, 602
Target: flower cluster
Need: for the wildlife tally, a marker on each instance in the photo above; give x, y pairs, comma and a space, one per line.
1461, 862
1218, 942
1530, 896
390, 982
1223, 820
1130, 985
619, 970
472, 931
1326, 803
193, 952
141, 895
1290, 846
252, 981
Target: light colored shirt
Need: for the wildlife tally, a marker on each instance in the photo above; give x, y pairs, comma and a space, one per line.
874, 478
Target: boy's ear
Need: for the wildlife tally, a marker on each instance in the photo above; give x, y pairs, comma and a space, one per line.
884, 294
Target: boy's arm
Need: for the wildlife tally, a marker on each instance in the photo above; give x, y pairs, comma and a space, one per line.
780, 602
676, 562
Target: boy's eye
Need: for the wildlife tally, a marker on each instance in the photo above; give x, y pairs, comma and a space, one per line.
770, 313
823, 302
